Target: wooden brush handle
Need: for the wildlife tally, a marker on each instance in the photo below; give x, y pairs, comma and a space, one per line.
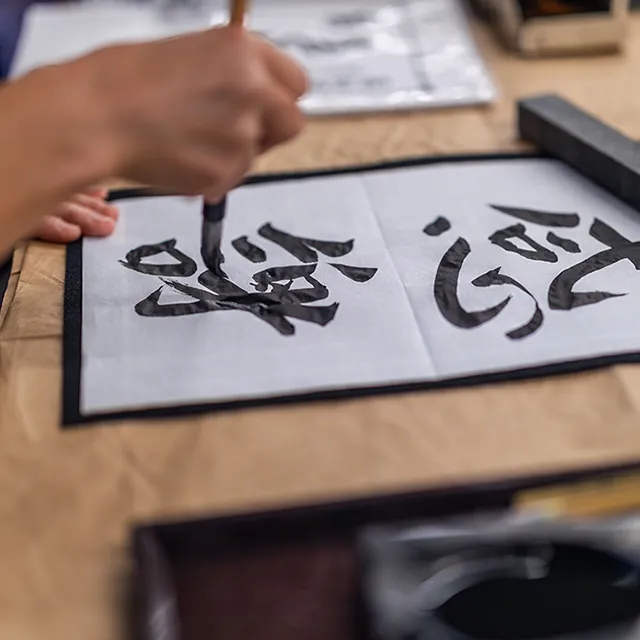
238, 11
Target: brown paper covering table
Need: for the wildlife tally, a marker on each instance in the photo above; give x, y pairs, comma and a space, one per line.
68, 498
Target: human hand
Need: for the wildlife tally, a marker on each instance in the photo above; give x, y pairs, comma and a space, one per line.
189, 114
84, 214
192, 113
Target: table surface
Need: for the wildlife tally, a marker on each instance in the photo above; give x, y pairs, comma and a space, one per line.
68, 498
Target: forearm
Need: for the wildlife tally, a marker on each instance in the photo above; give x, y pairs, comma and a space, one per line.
53, 143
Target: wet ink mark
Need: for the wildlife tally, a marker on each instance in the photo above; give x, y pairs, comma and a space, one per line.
274, 308
436, 228
544, 218
603, 233
494, 277
445, 290
564, 243
561, 294
249, 250
357, 274
213, 215
503, 239
282, 293
184, 268
278, 274
289, 243
330, 249
303, 248
218, 285
150, 307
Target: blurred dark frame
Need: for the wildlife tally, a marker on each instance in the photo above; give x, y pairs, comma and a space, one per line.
289, 573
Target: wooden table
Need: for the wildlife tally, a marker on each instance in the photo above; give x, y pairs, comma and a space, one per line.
67, 499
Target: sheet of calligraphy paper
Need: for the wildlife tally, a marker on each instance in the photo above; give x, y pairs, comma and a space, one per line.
138, 357
538, 267
360, 55
370, 279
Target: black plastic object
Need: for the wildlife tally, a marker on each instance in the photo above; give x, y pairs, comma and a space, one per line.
586, 144
296, 573
420, 586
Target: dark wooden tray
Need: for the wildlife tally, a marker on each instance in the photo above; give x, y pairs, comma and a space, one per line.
290, 574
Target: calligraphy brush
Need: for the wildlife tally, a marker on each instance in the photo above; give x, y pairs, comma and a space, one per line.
238, 11
213, 214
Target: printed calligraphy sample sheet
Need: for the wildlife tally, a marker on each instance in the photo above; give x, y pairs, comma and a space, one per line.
374, 279
361, 55
371, 55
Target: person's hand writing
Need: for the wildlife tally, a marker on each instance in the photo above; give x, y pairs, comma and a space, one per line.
191, 114
188, 114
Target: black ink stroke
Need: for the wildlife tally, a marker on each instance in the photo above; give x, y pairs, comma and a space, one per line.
329, 248
150, 307
213, 214
357, 274
602, 232
184, 268
213, 258
220, 286
445, 290
273, 307
248, 250
279, 274
436, 228
544, 218
317, 291
303, 248
561, 294
289, 243
281, 293
494, 277
319, 315
502, 239
208, 302
564, 243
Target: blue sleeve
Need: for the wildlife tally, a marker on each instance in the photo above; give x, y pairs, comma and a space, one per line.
11, 13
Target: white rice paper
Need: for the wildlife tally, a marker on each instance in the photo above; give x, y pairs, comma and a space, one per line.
388, 330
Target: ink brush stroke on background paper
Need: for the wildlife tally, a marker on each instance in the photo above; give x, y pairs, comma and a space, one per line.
369, 279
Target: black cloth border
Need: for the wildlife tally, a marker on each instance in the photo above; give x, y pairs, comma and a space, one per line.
5, 274
72, 339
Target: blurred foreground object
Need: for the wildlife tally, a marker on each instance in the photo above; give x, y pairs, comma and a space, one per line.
559, 27
361, 55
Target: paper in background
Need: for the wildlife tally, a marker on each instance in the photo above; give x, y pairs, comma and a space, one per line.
361, 55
